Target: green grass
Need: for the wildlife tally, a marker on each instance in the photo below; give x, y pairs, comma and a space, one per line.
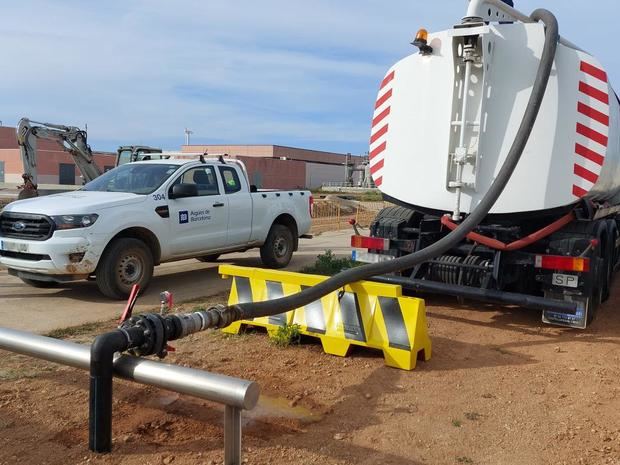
286, 335
79, 330
457, 423
328, 264
464, 459
371, 196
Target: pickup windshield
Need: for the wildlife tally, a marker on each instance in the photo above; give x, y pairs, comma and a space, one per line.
137, 178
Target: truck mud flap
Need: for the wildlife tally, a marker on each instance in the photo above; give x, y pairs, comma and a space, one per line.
365, 314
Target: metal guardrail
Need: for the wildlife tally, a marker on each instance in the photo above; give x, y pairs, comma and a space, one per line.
236, 394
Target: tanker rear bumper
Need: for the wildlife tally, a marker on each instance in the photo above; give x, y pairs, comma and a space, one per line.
484, 295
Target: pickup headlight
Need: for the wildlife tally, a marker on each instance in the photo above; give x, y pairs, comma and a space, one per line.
74, 221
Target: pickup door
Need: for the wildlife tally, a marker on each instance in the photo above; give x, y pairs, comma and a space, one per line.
199, 223
240, 205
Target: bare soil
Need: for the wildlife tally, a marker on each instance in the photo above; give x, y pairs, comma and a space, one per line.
501, 388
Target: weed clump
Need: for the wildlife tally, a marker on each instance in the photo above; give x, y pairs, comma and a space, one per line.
286, 335
328, 264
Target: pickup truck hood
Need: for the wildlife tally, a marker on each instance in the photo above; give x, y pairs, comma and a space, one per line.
74, 202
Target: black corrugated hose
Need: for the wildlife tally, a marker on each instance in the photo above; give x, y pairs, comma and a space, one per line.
314, 293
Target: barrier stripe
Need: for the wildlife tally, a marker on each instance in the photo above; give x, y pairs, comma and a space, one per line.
578, 191
593, 92
275, 291
352, 318
361, 314
378, 150
589, 154
377, 135
381, 116
384, 98
387, 80
376, 167
594, 71
244, 289
315, 317
593, 114
585, 173
592, 134
394, 323
379, 181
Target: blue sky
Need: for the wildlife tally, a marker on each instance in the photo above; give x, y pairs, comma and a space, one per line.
283, 72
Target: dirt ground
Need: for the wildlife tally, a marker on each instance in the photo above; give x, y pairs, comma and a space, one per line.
501, 388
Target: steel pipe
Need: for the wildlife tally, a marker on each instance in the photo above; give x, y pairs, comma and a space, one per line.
477, 9
223, 389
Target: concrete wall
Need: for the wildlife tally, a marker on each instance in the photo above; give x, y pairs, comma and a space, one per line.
317, 174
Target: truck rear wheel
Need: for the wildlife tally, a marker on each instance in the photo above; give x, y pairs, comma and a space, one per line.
277, 250
125, 262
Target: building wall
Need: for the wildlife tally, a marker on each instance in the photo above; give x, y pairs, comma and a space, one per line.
269, 173
259, 151
317, 174
283, 167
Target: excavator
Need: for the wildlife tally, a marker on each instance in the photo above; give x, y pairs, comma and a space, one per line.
71, 138
74, 141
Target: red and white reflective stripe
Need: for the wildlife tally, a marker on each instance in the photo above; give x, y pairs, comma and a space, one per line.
592, 127
380, 129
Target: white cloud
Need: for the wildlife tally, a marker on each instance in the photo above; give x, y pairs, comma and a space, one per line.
243, 71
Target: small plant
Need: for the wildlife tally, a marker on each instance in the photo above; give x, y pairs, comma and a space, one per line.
464, 459
328, 264
473, 416
457, 423
286, 335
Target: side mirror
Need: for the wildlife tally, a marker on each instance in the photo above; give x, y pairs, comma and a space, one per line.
180, 191
253, 188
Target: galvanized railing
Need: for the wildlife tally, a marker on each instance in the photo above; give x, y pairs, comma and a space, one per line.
329, 215
236, 394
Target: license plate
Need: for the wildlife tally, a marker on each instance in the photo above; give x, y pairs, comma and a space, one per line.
565, 280
13, 246
366, 257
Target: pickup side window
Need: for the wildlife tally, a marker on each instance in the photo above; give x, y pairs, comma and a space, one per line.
230, 179
204, 178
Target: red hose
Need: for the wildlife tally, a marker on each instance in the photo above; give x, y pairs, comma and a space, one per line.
518, 244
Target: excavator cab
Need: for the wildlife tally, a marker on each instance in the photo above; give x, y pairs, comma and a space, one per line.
131, 153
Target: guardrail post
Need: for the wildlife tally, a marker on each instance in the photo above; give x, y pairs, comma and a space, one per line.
232, 436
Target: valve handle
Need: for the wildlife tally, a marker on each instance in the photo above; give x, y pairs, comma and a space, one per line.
131, 301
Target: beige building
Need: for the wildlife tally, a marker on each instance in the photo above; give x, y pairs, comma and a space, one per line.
280, 167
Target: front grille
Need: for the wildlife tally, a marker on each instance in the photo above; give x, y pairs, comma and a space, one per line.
26, 226
34, 257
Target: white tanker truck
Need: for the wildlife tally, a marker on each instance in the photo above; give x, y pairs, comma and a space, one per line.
444, 123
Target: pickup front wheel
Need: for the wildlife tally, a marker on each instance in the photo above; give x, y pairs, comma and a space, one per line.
125, 262
277, 250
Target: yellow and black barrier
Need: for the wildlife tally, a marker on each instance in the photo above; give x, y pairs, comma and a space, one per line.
364, 314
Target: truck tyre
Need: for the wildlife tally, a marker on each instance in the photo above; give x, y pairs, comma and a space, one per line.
277, 250
40, 284
125, 262
208, 258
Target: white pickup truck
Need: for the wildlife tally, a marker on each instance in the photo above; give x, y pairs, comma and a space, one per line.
123, 223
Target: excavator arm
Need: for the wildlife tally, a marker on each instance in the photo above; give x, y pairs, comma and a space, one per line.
71, 138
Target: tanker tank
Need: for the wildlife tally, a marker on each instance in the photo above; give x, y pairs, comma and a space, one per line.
445, 119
